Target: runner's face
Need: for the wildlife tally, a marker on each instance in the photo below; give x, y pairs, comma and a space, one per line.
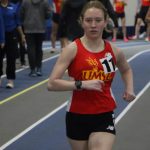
93, 22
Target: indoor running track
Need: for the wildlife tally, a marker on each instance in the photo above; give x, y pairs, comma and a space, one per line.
49, 132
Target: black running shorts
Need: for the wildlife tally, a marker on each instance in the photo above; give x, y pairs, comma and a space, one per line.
143, 12
120, 15
80, 126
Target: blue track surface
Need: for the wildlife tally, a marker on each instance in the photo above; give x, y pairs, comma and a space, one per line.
24, 81
50, 134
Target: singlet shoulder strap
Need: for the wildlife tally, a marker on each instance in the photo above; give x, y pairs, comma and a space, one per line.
78, 42
79, 45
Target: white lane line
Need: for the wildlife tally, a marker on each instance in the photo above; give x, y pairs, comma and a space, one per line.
128, 107
52, 57
64, 104
32, 126
139, 53
120, 46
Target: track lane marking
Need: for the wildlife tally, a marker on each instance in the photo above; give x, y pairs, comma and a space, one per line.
124, 111
27, 89
128, 107
22, 92
44, 81
32, 126
47, 59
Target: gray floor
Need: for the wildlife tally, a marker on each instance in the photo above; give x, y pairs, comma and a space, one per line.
133, 130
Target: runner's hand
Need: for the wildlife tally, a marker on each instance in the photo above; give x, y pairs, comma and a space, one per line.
129, 96
93, 85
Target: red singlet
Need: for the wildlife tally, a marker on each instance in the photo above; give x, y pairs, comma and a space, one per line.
90, 66
57, 6
145, 2
119, 6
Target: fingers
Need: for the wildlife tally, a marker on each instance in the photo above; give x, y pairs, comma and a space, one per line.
101, 85
98, 85
129, 97
93, 85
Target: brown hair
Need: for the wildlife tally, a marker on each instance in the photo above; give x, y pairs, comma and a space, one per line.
94, 4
